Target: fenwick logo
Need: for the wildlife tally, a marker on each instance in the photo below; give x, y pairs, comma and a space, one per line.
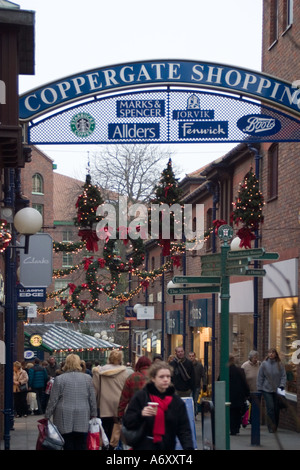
157, 221
2, 92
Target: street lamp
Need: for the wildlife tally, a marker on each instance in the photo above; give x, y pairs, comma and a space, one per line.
27, 221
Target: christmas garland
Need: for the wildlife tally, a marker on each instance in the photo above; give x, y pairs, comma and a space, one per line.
248, 208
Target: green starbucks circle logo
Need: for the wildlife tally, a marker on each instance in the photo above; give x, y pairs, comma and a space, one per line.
83, 124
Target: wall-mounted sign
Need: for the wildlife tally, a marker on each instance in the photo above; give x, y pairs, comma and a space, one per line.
31, 294
145, 313
36, 340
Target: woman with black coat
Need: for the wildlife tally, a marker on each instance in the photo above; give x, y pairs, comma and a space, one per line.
162, 423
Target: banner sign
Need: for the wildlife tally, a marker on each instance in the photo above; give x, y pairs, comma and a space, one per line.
189, 73
179, 116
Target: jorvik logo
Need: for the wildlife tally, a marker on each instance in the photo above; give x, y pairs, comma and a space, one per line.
183, 222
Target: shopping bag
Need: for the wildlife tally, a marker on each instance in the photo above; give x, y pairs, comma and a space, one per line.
49, 386
96, 438
49, 436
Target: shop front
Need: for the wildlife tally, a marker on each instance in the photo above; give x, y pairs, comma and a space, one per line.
200, 322
280, 291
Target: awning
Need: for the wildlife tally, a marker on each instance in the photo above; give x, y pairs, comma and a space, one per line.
58, 338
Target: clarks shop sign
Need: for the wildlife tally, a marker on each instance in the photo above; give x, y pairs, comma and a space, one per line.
156, 73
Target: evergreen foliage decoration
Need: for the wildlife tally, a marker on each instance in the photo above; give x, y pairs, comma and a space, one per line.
248, 209
167, 193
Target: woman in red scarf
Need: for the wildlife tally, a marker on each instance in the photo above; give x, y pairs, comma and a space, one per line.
162, 423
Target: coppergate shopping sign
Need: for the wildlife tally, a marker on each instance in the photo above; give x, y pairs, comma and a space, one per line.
162, 102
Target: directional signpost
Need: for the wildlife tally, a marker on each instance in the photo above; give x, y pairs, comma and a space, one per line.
216, 270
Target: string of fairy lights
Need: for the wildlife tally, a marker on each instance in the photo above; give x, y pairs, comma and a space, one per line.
75, 300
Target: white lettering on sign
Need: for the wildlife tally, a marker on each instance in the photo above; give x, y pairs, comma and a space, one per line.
33, 260
257, 124
191, 73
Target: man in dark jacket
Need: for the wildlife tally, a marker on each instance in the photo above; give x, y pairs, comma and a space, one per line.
38, 378
200, 379
184, 376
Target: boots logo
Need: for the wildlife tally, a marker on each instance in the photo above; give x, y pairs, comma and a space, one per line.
259, 124
83, 124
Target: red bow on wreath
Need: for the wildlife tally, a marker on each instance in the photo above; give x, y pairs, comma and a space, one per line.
87, 262
72, 288
90, 237
246, 237
218, 223
176, 261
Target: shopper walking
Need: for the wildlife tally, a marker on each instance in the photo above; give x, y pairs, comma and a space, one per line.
271, 376
161, 424
184, 376
109, 381
251, 368
134, 382
238, 394
200, 379
72, 404
20, 389
38, 379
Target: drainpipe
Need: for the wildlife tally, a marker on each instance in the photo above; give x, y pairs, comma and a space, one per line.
257, 158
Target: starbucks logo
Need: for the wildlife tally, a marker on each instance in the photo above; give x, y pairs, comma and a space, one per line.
83, 124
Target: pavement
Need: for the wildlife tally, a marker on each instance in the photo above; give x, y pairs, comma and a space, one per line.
25, 434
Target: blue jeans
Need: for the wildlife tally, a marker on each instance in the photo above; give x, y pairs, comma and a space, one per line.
272, 410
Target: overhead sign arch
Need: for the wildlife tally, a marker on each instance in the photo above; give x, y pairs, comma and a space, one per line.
162, 101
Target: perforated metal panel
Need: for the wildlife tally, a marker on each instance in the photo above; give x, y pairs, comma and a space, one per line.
166, 116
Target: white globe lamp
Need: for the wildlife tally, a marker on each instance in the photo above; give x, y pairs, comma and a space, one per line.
28, 221
235, 244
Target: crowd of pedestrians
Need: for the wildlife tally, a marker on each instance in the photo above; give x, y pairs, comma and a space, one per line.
145, 397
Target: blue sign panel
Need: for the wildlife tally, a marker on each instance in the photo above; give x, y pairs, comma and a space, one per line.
136, 131
200, 313
31, 294
259, 124
206, 130
140, 108
173, 323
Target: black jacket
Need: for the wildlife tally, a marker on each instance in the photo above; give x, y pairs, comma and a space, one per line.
176, 420
180, 383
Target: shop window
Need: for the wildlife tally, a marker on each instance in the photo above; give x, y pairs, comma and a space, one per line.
241, 335
283, 333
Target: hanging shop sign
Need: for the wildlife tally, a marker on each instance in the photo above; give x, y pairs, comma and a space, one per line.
200, 313
174, 325
36, 265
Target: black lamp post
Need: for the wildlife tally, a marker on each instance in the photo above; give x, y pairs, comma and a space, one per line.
27, 221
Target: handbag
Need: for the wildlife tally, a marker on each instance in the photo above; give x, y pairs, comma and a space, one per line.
132, 436
49, 436
23, 387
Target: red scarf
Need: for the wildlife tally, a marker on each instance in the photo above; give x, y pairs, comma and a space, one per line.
159, 422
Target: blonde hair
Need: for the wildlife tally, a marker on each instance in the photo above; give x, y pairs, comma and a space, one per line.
72, 363
115, 357
18, 365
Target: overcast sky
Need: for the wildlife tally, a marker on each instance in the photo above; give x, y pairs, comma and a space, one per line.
74, 36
